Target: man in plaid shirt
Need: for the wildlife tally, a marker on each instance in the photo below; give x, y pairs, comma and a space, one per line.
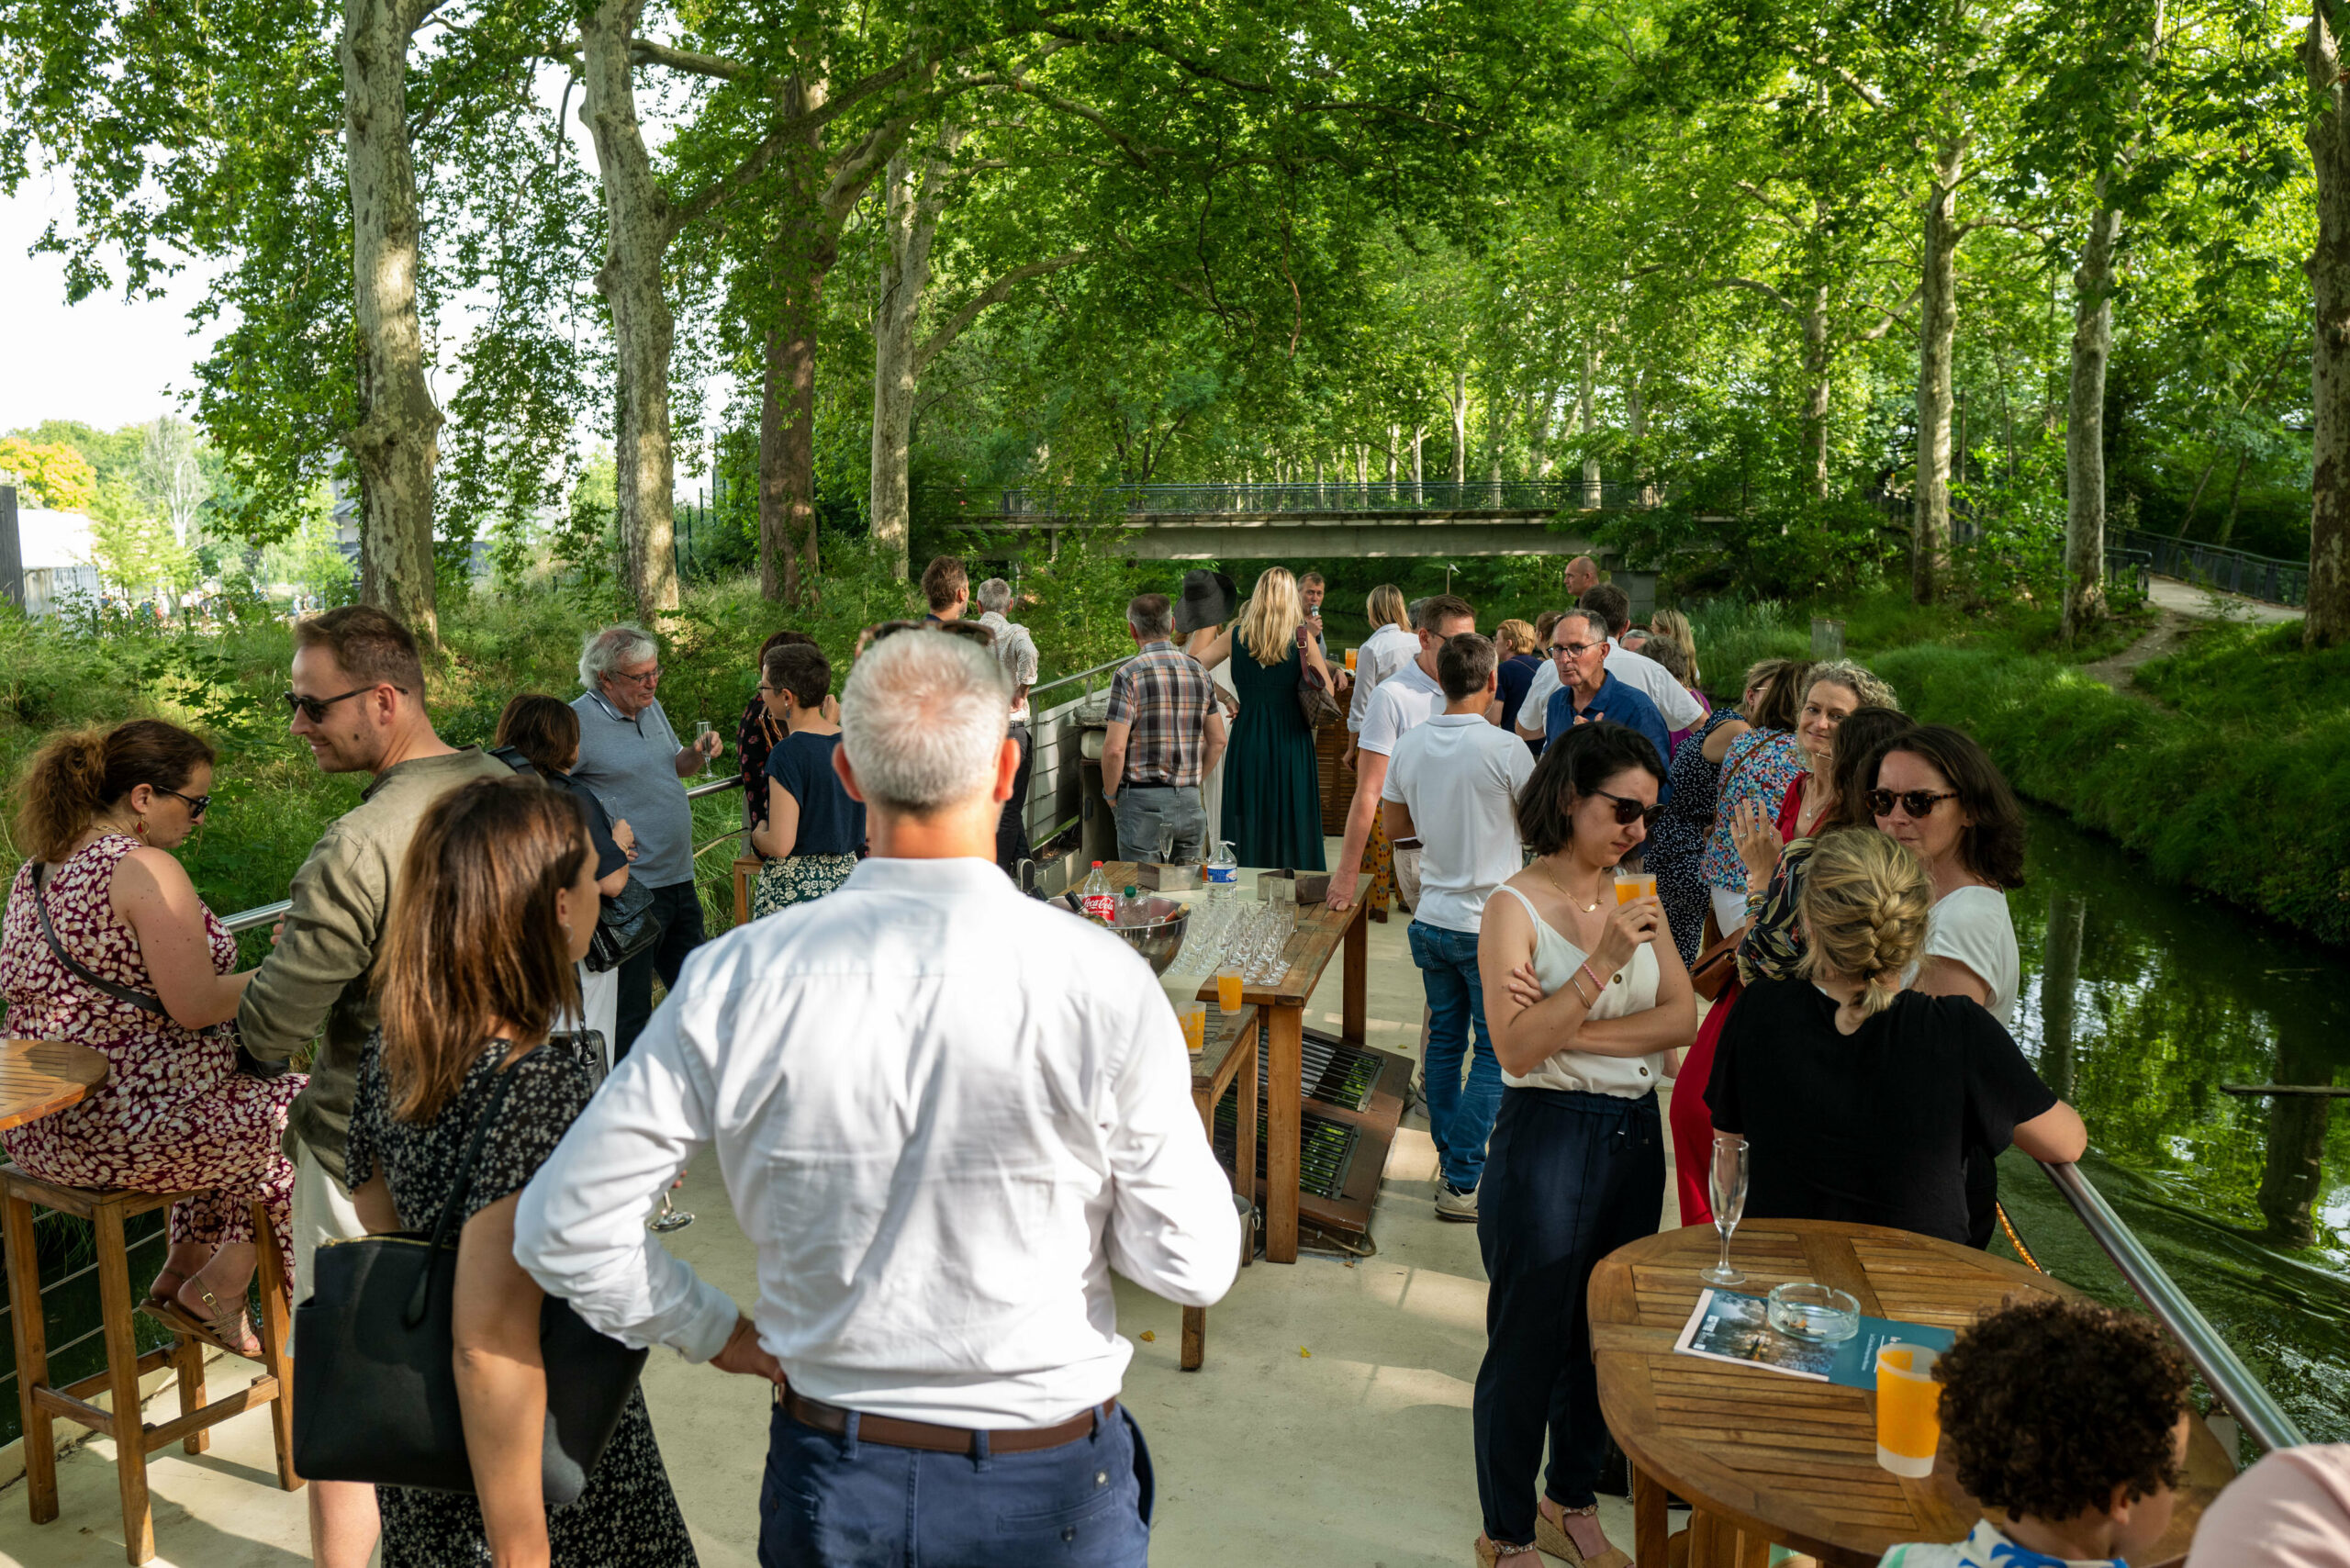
1166, 732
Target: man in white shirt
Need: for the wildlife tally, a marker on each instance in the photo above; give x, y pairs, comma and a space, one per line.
1453, 783
944, 1113
1408, 698
1638, 671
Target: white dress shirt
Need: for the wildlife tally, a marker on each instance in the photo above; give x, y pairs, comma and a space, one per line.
1638, 671
1460, 777
1382, 654
944, 1112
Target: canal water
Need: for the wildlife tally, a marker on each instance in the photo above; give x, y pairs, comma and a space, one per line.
2140, 1002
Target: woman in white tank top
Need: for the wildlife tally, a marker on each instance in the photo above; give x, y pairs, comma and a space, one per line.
1588, 1004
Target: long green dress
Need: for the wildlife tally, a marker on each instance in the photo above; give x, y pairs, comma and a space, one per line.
1272, 792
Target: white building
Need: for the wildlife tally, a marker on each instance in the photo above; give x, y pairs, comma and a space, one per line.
55, 547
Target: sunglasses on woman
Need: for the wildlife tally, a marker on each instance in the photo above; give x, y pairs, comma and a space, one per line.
1628, 808
1915, 802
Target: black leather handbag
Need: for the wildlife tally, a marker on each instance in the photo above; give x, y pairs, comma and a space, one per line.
626, 925
375, 1386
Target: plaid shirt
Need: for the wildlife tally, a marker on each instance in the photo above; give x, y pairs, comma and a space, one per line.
1167, 697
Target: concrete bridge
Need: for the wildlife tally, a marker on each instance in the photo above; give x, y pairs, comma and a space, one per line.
1252, 521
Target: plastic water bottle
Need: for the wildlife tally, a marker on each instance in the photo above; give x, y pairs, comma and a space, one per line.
1223, 873
1100, 903
1130, 910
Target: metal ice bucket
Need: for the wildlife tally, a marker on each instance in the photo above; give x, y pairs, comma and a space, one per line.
1160, 937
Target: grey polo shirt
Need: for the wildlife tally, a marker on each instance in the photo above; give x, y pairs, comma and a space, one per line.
631, 765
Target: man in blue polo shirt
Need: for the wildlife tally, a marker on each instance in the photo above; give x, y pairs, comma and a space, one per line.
1587, 693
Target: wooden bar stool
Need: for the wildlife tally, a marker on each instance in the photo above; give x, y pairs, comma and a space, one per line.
134, 1438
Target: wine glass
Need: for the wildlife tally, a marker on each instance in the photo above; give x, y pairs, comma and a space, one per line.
1165, 843
670, 1218
1728, 1191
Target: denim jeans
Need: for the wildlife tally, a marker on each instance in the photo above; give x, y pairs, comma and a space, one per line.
1459, 1118
829, 1501
1142, 809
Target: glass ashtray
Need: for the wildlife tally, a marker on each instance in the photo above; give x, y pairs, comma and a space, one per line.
1805, 1309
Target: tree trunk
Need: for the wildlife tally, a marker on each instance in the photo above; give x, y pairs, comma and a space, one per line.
805, 249
2085, 425
637, 222
1419, 441
1459, 427
1937, 328
1815, 390
2235, 499
2327, 621
1585, 415
912, 221
396, 445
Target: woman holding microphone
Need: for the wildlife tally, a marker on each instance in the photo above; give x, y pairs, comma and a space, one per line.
1588, 1003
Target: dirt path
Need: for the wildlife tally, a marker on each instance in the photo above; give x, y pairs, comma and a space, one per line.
2179, 606
2119, 672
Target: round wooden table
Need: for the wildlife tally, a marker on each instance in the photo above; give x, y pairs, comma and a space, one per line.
1766, 1458
40, 1078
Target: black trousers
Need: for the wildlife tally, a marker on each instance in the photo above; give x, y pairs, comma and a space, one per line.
1569, 1178
678, 909
1012, 828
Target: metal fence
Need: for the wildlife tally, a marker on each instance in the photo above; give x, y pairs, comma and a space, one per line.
2264, 578
1397, 496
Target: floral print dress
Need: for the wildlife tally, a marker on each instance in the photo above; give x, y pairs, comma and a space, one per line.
627, 1518
173, 1115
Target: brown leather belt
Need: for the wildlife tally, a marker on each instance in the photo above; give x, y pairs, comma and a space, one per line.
891, 1432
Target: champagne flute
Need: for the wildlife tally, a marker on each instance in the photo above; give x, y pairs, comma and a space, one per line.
1728, 1191
670, 1218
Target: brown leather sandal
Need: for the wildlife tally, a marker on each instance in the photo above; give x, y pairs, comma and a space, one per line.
213, 1331
1491, 1553
1555, 1540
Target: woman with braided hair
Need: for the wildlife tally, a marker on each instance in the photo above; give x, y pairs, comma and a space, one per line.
1859, 1099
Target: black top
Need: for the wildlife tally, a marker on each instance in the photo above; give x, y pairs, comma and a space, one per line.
829, 822
1513, 679
1871, 1128
609, 856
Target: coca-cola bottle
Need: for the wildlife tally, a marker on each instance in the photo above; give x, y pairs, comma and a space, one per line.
1099, 902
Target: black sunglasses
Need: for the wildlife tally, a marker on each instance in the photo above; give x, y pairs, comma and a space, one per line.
315, 708
1628, 808
1916, 802
197, 804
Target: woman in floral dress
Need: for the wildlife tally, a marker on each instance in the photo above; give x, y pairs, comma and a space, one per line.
100, 813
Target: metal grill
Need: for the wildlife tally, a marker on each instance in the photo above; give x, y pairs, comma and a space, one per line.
1334, 1073
1326, 1147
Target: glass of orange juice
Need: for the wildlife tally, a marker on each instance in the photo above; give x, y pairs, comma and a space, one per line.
1195, 1027
1350, 658
1909, 1409
1227, 988
1633, 883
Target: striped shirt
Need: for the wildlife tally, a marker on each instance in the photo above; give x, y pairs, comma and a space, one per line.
1166, 697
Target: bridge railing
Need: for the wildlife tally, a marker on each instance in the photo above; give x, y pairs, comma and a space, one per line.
1402, 496
2232, 571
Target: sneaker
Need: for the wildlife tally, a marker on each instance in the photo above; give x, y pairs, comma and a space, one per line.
1453, 1203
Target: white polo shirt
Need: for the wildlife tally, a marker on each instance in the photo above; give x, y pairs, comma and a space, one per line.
1459, 775
1404, 700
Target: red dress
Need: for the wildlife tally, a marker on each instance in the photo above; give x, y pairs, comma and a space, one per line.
1692, 1124
175, 1115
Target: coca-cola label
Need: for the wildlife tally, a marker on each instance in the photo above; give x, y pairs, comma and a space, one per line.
1101, 906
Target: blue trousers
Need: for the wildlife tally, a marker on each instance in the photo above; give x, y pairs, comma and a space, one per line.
830, 1501
1571, 1178
1461, 1117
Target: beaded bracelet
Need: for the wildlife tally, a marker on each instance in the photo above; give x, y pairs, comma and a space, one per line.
1599, 986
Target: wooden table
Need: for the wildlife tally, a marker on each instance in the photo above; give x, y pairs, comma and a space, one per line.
1229, 1056
1322, 933
1766, 1458
40, 1078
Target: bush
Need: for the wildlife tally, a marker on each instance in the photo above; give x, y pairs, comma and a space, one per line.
2232, 798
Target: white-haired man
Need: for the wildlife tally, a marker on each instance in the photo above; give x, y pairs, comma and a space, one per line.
1016, 649
937, 1211
630, 755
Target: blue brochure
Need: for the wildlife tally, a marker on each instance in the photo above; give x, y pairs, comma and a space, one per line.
1728, 1326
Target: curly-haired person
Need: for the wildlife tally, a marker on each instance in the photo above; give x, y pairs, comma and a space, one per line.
2069, 1417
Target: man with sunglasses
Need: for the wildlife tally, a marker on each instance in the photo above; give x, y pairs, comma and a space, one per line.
631, 757
357, 699
1589, 692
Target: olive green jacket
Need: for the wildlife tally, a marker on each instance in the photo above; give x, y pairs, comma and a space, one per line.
314, 984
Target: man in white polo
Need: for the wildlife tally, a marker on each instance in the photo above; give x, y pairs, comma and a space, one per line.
938, 1207
1453, 783
1405, 699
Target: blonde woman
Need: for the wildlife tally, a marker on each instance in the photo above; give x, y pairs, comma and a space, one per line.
1859, 1100
1674, 624
1272, 792
1391, 645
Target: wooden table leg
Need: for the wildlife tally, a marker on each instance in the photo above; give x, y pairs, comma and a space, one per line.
1353, 977
32, 1333
1754, 1551
1649, 1524
1244, 1143
1285, 1080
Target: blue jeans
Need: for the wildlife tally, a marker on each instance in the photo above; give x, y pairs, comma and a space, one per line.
1143, 809
1461, 1117
832, 1501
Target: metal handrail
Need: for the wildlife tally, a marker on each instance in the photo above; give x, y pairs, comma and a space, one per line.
264, 914
2223, 1370
1402, 496
1084, 675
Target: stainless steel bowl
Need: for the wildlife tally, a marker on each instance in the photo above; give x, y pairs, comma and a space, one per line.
1160, 937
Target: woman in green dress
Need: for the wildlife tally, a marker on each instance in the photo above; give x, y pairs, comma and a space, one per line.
1272, 790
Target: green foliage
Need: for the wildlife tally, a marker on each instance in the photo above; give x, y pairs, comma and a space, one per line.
2238, 799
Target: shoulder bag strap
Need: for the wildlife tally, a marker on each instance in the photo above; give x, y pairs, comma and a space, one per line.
453, 1206
139, 999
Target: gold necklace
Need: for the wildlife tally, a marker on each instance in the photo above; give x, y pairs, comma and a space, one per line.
1586, 908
